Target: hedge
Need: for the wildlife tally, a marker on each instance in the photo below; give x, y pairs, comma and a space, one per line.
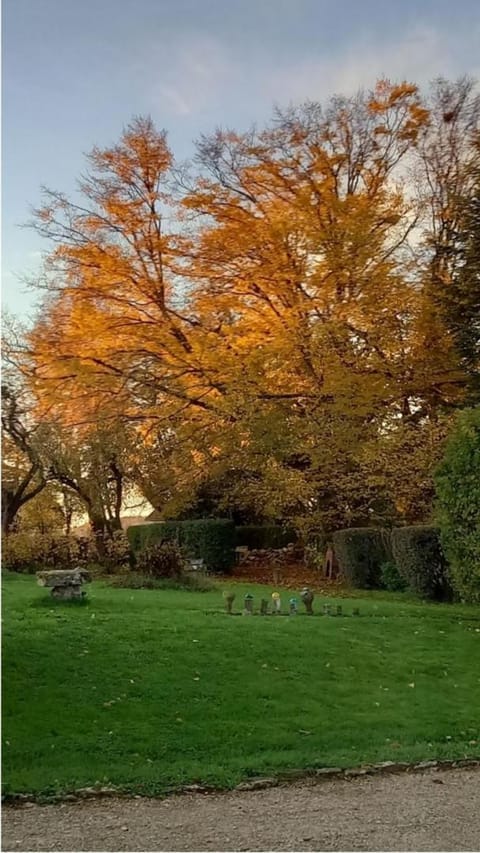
457, 484
360, 552
209, 539
264, 536
418, 554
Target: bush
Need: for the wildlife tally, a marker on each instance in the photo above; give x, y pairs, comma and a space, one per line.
31, 551
457, 483
137, 580
116, 552
360, 552
263, 536
391, 578
420, 560
161, 560
209, 539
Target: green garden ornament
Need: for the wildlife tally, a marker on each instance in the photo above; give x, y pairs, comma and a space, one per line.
356, 611
339, 609
307, 597
327, 610
293, 606
277, 602
229, 599
248, 605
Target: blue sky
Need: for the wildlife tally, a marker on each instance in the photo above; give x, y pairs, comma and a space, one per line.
75, 71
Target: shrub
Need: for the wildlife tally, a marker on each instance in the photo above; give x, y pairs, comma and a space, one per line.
391, 578
115, 552
419, 557
209, 539
161, 560
137, 580
457, 483
31, 551
360, 552
314, 557
263, 536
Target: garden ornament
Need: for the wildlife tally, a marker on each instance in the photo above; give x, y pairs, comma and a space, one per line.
307, 597
229, 599
277, 603
248, 602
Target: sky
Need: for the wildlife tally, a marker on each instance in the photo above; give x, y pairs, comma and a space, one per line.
76, 71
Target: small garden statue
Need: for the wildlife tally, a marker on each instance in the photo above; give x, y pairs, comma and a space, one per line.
263, 607
327, 610
277, 603
307, 597
248, 602
293, 606
229, 599
356, 611
339, 609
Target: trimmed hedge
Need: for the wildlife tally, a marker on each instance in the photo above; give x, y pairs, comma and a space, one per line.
360, 552
420, 560
208, 539
457, 484
264, 536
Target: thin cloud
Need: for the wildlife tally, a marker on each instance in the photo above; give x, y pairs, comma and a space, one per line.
202, 74
419, 56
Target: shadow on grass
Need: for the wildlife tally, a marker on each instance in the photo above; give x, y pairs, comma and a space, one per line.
48, 603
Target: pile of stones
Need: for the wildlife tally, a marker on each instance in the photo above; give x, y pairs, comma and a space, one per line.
276, 556
65, 585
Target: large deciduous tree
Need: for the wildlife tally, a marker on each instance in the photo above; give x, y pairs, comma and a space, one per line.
271, 310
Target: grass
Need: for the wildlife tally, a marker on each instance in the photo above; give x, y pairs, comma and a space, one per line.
152, 689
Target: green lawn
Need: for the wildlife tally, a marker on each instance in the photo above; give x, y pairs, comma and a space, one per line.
153, 689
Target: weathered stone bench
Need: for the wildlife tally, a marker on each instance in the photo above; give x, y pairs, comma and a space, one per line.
64, 584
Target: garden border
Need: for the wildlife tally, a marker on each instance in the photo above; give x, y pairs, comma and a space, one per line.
255, 784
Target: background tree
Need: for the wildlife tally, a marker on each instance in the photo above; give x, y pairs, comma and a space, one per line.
460, 301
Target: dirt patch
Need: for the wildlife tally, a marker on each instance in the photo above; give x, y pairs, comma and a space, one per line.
433, 810
290, 576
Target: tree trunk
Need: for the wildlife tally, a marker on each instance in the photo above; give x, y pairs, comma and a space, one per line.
99, 529
12, 501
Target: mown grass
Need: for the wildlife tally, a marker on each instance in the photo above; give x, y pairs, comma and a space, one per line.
152, 689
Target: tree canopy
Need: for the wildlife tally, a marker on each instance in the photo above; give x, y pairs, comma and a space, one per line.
270, 314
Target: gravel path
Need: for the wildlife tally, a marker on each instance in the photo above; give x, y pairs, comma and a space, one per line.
433, 810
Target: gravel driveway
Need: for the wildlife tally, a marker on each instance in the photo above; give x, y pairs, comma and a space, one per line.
433, 810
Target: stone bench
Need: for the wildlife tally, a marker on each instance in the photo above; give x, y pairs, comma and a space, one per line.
65, 584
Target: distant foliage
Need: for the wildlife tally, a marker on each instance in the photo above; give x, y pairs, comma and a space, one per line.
458, 504
161, 560
264, 536
418, 554
360, 552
